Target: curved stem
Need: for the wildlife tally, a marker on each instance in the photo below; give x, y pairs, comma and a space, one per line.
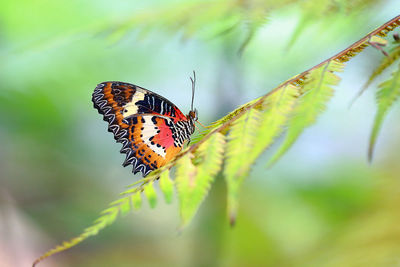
342, 56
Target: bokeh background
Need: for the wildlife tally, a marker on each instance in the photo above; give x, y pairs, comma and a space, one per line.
322, 204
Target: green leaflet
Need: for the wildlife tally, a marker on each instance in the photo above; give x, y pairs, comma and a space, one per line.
131, 198
191, 18
167, 186
150, 194
242, 155
277, 108
185, 182
256, 17
124, 204
321, 12
197, 169
241, 142
205, 19
193, 180
312, 11
388, 93
316, 92
386, 62
108, 216
136, 200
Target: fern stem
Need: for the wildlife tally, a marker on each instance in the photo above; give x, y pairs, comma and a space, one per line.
342, 56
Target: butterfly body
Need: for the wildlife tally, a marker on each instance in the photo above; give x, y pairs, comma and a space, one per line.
152, 130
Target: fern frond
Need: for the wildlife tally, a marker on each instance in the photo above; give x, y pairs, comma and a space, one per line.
358, 46
108, 216
388, 26
167, 186
241, 141
194, 17
256, 17
125, 205
226, 13
185, 182
317, 91
189, 18
278, 107
136, 200
131, 198
388, 93
385, 63
314, 11
198, 164
150, 194
193, 180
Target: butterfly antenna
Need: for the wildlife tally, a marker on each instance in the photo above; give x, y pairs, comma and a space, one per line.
193, 80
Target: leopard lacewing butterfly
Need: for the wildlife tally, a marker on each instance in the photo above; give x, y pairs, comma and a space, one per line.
152, 129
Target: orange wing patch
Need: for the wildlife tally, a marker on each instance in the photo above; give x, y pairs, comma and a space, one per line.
152, 142
112, 101
151, 129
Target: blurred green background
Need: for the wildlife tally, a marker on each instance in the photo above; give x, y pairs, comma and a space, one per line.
321, 205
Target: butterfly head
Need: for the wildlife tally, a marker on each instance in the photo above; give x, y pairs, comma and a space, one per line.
192, 116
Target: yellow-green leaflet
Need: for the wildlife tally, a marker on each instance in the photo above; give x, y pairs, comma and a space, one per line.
193, 179
167, 186
242, 135
150, 194
276, 110
136, 199
316, 92
388, 93
385, 63
241, 141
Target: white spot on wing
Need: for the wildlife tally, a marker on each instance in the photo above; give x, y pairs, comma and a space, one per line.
150, 130
131, 108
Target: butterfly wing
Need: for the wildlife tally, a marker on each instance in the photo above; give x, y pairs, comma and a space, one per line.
126, 99
150, 142
151, 129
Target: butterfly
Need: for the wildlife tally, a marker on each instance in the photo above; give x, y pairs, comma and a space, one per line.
152, 129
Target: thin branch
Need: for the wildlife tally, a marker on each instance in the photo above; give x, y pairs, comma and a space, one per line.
342, 56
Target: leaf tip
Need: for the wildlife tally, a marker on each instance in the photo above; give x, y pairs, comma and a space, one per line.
35, 262
41, 258
370, 153
232, 219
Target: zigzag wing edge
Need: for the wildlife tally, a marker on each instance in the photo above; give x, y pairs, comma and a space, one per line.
119, 127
